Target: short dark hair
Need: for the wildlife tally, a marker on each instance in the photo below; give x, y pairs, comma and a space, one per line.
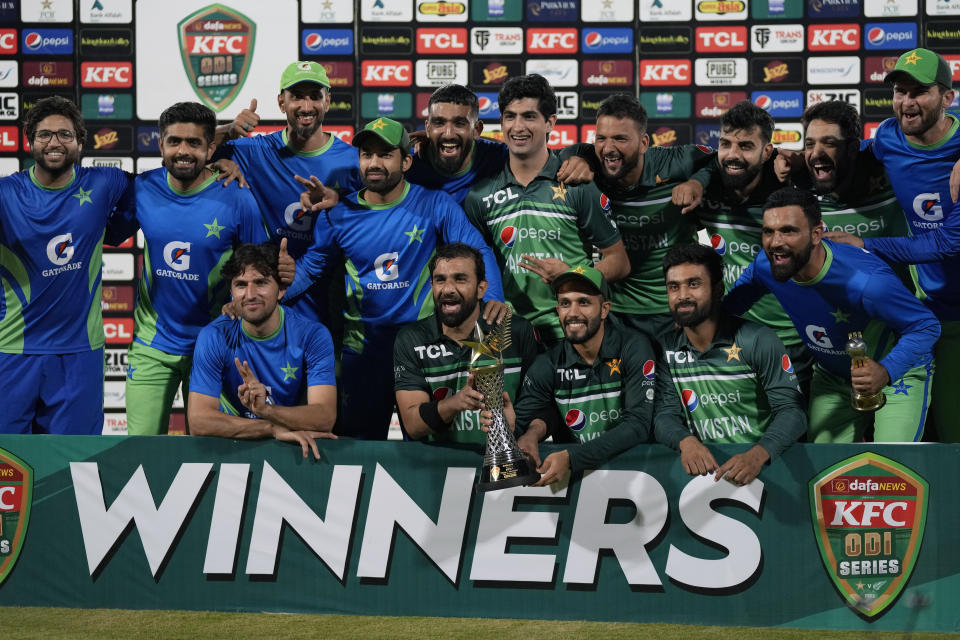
622, 105
530, 86
836, 112
55, 106
192, 112
746, 115
456, 94
793, 197
262, 257
459, 250
693, 253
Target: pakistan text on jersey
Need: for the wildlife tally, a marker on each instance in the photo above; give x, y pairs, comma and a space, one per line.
73, 266
636, 242
722, 427
167, 273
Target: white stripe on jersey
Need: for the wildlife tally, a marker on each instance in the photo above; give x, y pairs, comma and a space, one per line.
596, 396
532, 212
716, 376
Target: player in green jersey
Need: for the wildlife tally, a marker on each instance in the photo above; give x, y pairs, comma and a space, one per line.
733, 376
435, 393
732, 213
600, 378
539, 227
650, 190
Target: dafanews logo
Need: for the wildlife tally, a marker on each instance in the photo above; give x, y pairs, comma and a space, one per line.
387, 270
60, 252
868, 516
216, 44
177, 256
16, 496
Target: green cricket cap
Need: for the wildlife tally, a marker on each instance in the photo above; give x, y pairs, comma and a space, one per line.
588, 275
387, 130
924, 66
303, 71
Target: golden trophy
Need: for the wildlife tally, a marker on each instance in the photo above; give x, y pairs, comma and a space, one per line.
504, 464
857, 349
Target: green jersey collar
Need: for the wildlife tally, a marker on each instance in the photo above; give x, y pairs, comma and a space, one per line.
388, 205
33, 179
823, 270
272, 335
197, 189
548, 172
315, 152
942, 141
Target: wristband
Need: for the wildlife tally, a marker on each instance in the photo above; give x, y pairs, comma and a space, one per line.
430, 414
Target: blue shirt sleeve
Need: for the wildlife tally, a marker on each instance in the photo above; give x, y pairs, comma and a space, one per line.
933, 246
745, 291
251, 223
206, 376
314, 262
319, 356
454, 227
122, 221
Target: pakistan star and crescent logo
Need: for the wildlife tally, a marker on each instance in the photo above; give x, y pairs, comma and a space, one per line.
416, 234
614, 365
289, 372
560, 192
912, 58
379, 124
839, 316
733, 353
83, 196
578, 269
901, 387
214, 229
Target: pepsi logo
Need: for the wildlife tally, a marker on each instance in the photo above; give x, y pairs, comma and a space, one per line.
718, 243
486, 104
649, 369
786, 364
508, 236
763, 101
593, 40
576, 419
705, 148
690, 399
876, 35
604, 202
313, 42
442, 392
33, 40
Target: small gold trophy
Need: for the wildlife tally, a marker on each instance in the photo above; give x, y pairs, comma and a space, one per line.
504, 464
857, 349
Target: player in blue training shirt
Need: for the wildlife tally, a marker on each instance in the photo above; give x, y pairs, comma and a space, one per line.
830, 290
270, 373
387, 234
303, 148
191, 226
52, 221
918, 147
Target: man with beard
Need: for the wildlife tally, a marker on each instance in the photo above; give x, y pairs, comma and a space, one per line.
52, 221
190, 227
303, 148
387, 233
830, 291
918, 147
733, 376
540, 227
650, 190
732, 213
600, 378
436, 396
269, 374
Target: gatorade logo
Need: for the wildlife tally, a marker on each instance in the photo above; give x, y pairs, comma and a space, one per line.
297, 218
927, 207
177, 255
385, 266
690, 399
818, 335
576, 419
718, 243
786, 363
649, 370
60, 249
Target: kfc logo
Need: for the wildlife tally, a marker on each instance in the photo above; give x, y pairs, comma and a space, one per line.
552, 41
387, 73
833, 37
8, 41
106, 74
665, 72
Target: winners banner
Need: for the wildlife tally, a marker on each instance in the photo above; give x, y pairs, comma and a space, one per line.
828, 536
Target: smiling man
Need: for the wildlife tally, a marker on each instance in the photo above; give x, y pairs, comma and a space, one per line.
268, 374
190, 225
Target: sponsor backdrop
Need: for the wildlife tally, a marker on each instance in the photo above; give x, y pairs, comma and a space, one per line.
124, 61
830, 536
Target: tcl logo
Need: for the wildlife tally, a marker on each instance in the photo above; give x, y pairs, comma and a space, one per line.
664, 72
387, 73
217, 44
836, 37
106, 74
8, 139
8, 41
446, 41
721, 39
552, 41
118, 330
563, 135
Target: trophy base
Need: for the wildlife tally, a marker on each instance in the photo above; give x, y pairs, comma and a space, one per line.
867, 404
506, 474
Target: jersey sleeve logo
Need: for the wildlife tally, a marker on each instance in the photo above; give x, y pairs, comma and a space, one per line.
718, 243
649, 370
604, 202
690, 399
786, 363
576, 419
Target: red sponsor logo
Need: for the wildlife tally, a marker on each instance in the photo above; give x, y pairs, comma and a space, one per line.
126, 244
340, 73
225, 44
344, 132
721, 39
118, 330
423, 104
876, 68
266, 129
713, 104
604, 73
552, 41
563, 135
446, 41
870, 129
48, 75
117, 298
386, 73
8, 41
665, 72
954, 61
9, 139
106, 74
588, 133
833, 37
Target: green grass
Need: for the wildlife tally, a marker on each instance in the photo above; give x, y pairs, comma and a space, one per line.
31, 622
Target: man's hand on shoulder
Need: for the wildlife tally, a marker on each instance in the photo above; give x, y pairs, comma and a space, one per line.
575, 170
